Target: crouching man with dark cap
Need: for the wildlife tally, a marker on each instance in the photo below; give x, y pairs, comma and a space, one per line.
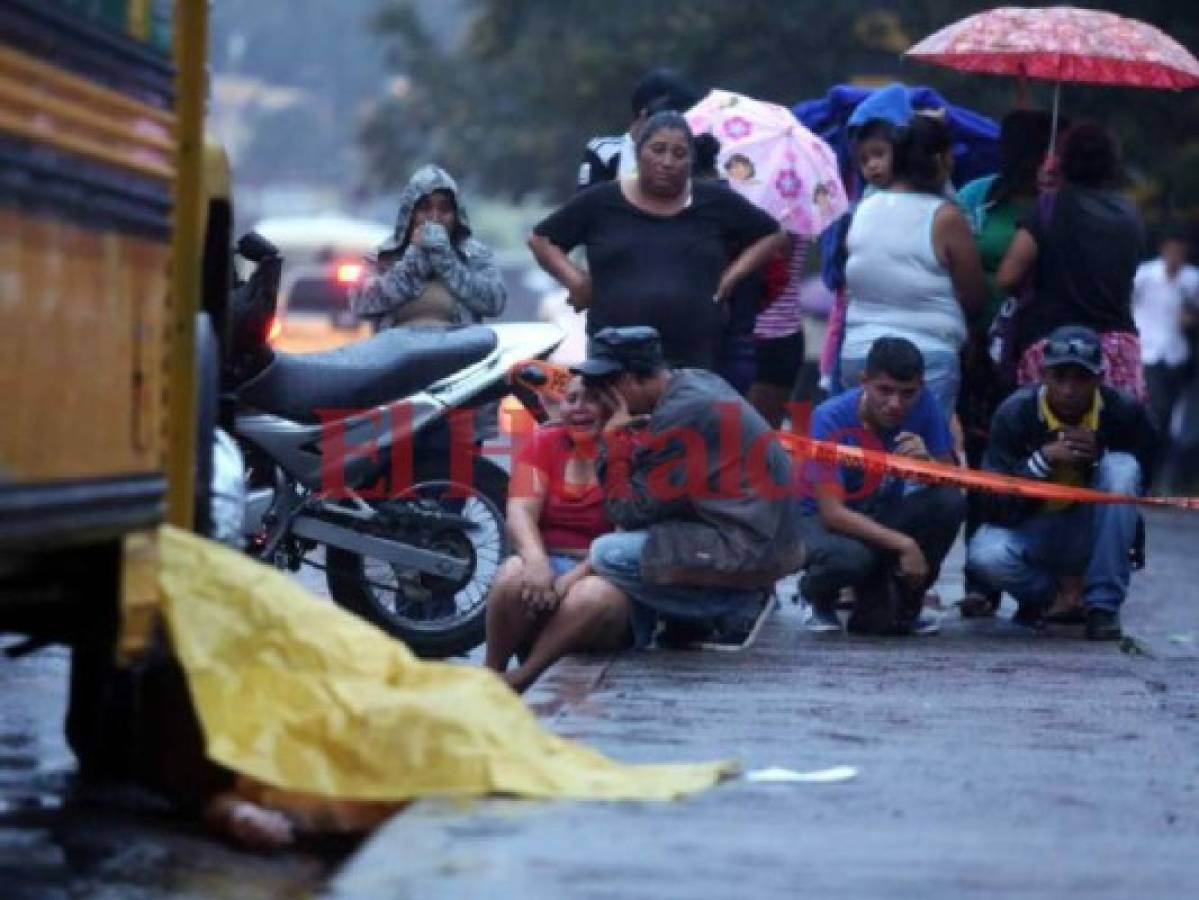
702, 497
1072, 430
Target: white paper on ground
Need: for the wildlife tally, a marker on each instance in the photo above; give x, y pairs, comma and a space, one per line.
776, 775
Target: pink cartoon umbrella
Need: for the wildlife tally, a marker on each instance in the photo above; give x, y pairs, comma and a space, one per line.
1062, 43
773, 160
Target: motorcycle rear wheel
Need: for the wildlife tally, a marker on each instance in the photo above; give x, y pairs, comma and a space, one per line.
442, 619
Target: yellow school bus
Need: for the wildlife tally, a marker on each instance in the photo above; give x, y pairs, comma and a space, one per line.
102, 222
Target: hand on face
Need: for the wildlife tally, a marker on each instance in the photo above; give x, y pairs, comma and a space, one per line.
433, 218
431, 235
620, 417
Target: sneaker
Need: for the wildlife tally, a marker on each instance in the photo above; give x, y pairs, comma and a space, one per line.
817, 620
737, 632
1103, 624
926, 624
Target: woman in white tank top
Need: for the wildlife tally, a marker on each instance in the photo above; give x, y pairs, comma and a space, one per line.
913, 269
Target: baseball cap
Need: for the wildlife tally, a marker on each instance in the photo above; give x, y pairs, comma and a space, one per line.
1074, 345
614, 350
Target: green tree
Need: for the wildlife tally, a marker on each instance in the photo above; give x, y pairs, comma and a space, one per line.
510, 104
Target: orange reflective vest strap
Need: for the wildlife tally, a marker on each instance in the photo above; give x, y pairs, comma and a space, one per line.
549, 379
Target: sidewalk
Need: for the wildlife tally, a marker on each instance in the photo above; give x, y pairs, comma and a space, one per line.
989, 764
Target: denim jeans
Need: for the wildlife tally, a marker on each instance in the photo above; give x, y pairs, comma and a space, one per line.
1091, 540
942, 378
931, 516
616, 558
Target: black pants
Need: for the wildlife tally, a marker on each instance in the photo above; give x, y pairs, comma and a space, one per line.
982, 392
975, 517
932, 516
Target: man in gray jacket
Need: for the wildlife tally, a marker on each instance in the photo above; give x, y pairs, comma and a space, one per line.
701, 492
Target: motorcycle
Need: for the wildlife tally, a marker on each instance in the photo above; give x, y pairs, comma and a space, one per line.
354, 465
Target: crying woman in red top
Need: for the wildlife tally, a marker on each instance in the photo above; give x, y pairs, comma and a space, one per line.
555, 511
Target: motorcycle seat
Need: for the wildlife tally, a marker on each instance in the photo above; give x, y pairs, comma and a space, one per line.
387, 367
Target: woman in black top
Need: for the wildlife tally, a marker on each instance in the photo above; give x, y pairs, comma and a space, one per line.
658, 247
1081, 250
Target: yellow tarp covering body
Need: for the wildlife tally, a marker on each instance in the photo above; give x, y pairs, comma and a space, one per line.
298, 694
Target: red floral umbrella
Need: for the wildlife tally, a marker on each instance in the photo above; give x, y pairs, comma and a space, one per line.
1062, 43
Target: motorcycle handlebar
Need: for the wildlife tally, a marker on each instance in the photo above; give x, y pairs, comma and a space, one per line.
255, 247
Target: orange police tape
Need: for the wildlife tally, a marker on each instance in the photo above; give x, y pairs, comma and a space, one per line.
549, 379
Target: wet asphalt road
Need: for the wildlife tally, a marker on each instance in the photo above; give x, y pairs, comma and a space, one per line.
990, 764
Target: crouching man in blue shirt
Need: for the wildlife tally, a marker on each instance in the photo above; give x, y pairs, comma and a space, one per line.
881, 537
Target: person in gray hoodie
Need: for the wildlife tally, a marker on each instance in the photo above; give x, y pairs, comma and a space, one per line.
431, 271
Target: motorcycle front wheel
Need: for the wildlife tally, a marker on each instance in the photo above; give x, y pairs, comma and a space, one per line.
436, 617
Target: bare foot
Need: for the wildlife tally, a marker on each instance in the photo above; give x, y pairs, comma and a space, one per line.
515, 679
248, 824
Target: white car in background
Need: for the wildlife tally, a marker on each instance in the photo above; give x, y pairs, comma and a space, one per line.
322, 264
